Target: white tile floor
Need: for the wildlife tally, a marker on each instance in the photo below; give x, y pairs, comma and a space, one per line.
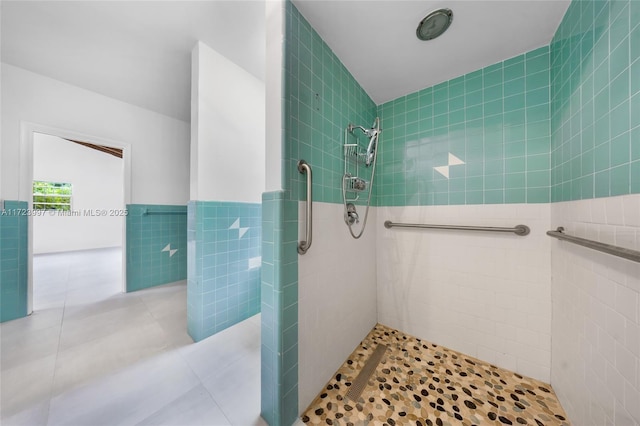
90, 355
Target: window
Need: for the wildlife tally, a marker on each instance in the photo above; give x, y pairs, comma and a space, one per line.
51, 196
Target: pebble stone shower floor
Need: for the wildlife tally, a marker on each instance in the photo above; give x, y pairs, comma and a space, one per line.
423, 384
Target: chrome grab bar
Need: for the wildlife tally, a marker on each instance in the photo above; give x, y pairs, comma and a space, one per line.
625, 253
520, 230
304, 245
147, 212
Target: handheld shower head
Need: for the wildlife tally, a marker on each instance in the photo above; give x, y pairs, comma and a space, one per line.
372, 134
373, 142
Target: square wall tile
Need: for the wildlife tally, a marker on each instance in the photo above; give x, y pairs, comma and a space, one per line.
224, 267
156, 245
605, 84
502, 127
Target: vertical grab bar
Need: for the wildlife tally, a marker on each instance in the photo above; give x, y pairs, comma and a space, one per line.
303, 167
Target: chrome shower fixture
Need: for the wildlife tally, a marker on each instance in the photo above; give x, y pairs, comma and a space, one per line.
373, 141
434, 24
359, 184
351, 216
359, 171
372, 134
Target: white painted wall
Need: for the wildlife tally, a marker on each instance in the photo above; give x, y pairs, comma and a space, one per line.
228, 130
1, 139
595, 367
98, 183
485, 294
159, 144
336, 296
275, 29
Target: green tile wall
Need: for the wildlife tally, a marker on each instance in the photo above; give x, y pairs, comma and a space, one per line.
279, 309
595, 109
496, 120
557, 123
321, 99
150, 228
14, 224
223, 286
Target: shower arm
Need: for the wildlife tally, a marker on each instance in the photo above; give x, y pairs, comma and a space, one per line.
352, 127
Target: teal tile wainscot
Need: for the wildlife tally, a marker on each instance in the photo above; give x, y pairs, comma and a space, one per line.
223, 284
14, 283
156, 245
279, 332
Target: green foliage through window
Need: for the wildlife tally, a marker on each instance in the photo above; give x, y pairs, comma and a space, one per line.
51, 196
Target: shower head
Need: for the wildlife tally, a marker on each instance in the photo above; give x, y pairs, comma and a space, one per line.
434, 24
371, 148
372, 134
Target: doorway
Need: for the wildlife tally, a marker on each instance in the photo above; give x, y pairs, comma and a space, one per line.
90, 216
78, 219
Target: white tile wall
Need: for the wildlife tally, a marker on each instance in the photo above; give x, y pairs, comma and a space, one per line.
337, 296
484, 294
488, 295
595, 367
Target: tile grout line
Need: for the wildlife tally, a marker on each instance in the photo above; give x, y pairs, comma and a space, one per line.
203, 384
184, 359
215, 402
55, 364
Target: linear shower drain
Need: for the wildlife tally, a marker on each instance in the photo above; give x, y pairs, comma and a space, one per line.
358, 385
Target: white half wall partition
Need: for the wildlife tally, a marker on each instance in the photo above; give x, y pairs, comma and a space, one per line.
227, 179
97, 180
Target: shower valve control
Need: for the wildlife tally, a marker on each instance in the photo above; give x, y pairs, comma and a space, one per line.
352, 215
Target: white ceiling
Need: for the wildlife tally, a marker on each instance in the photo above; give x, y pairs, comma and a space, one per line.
139, 51
376, 40
135, 51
